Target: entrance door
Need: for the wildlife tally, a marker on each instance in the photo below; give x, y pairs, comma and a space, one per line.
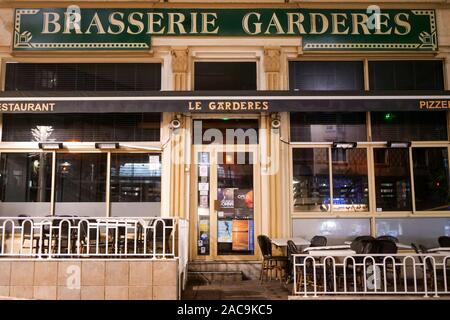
226, 204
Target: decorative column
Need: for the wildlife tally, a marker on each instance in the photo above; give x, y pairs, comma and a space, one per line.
179, 154
272, 66
180, 67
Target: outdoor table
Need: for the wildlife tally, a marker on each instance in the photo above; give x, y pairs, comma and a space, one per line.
331, 253
444, 250
335, 247
282, 242
399, 245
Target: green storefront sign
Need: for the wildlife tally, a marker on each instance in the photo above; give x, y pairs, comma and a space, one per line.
132, 29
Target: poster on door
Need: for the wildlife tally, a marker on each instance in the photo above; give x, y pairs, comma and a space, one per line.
226, 197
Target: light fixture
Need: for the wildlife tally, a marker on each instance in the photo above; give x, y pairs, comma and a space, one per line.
344, 145
107, 145
398, 144
50, 145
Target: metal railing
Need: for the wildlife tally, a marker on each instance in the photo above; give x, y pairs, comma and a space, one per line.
372, 274
91, 237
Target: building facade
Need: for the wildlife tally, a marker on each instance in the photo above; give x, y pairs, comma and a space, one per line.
293, 118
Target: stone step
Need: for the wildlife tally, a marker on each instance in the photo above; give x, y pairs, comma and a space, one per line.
209, 277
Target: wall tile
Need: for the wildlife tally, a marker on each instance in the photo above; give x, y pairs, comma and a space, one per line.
165, 273
22, 273
44, 292
140, 293
93, 273
165, 293
141, 273
92, 293
5, 273
45, 273
116, 273
116, 293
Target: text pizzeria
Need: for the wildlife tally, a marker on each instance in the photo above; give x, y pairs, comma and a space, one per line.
27, 107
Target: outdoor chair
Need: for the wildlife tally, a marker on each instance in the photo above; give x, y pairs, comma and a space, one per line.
387, 237
269, 262
33, 234
91, 240
364, 238
161, 232
428, 268
444, 241
318, 241
64, 237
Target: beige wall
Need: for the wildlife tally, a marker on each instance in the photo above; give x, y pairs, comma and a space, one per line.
271, 55
89, 279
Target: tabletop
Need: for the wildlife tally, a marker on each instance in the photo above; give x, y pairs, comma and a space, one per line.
336, 247
331, 253
282, 242
439, 250
399, 245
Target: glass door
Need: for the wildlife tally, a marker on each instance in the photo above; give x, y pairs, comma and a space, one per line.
225, 201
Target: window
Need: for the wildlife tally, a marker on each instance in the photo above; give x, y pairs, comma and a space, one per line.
135, 184
328, 127
225, 76
25, 183
350, 183
392, 180
326, 75
82, 127
81, 178
430, 167
311, 179
83, 76
423, 231
406, 75
335, 230
409, 126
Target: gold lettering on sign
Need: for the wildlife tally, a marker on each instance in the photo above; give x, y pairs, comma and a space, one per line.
230, 105
434, 104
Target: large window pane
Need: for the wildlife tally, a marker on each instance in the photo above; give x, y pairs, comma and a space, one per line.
392, 179
135, 184
425, 231
326, 75
350, 184
83, 76
311, 179
81, 184
327, 127
431, 178
406, 75
335, 230
225, 76
82, 127
25, 181
409, 126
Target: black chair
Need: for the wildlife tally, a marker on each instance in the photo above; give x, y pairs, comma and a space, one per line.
291, 250
387, 237
364, 238
444, 241
318, 241
269, 262
161, 232
64, 237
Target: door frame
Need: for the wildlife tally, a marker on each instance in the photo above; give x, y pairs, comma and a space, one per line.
213, 149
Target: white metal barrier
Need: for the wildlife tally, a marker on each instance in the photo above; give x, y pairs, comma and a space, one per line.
84, 237
372, 274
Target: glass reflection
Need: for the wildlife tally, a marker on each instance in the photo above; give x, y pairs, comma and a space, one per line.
25, 177
392, 179
431, 178
80, 177
311, 179
350, 183
135, 178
